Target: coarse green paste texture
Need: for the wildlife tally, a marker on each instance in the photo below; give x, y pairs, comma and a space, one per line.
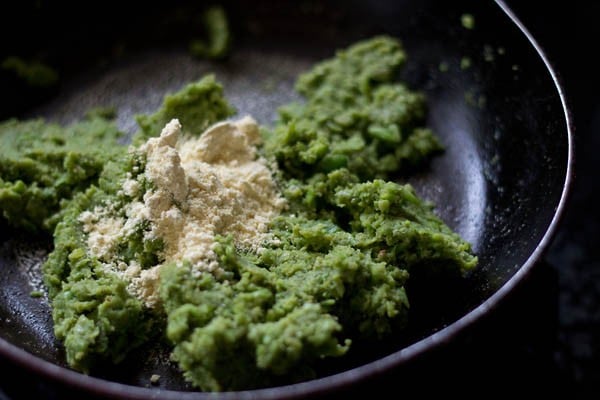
331, 267
42, 165
94, 314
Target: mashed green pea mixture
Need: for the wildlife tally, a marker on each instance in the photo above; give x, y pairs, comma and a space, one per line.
330, 265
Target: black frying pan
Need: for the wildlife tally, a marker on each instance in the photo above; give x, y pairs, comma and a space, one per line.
501, 183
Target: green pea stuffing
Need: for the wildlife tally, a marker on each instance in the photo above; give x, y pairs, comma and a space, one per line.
257, 252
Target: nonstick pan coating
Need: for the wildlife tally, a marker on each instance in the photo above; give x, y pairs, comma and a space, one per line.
501, 182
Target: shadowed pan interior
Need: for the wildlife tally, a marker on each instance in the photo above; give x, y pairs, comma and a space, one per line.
501, 119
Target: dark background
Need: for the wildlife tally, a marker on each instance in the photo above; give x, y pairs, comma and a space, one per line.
547, 336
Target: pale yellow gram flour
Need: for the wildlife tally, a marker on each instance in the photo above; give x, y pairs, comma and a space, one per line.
214, 184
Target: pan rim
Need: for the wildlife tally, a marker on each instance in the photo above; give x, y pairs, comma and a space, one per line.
334, 382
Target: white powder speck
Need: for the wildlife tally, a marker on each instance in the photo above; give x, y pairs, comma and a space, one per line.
131, 187
103, 231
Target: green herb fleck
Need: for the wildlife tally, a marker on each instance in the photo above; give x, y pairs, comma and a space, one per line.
465, 63
107, 113
218, 36
34, 73
488, 53
467, 21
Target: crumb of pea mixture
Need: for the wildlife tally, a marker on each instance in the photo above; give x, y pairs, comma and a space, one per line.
154, 379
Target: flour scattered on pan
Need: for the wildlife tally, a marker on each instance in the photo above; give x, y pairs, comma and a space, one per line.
214, 184
29, 262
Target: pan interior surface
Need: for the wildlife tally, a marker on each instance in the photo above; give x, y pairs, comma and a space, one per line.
498, 183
